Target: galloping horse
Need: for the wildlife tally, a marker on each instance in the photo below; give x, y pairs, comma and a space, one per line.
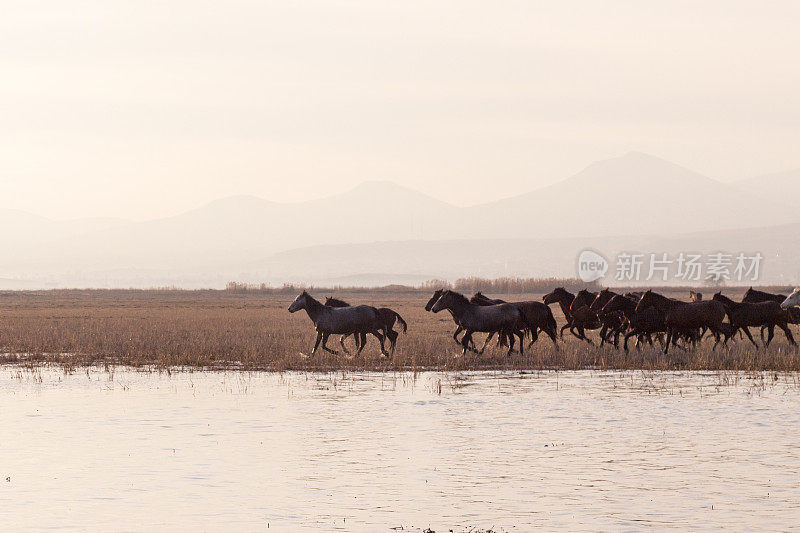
357, 320
581, 322
436, 295
685, 317
765, 314
755, 296
388, 319
643, 323
613, 322
505, 319
537, 315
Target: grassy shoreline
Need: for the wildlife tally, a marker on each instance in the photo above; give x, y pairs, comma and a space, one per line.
252, 330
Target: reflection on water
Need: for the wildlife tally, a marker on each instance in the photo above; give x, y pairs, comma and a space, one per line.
294, 452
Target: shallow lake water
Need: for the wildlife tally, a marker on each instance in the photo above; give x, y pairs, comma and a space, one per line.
213, 451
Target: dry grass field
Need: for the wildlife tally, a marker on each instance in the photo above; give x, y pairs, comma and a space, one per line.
253, 330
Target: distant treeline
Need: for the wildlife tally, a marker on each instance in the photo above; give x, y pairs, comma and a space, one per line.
464, 285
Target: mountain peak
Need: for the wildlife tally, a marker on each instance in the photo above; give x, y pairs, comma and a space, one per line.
636, 168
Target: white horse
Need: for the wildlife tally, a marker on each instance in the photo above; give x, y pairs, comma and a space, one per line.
792, 300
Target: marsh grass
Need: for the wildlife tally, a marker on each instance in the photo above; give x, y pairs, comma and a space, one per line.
252, 330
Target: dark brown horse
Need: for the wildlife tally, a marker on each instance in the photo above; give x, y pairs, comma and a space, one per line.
388, 318
685, 318
755, 296
504, 319
537, 316
582, 316
428, 306
743, 315
613, 322
576, 324
644, 324
359, 319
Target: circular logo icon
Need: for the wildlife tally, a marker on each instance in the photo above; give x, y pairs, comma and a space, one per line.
591, 266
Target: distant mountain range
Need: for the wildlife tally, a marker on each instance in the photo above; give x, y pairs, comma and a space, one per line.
782, 188
382, 231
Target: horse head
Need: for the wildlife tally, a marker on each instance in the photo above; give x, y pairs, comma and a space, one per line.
602, 298
299, 303
557, 295
443, 301
436, 295
793, 299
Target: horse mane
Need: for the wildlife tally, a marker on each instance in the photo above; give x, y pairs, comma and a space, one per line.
724, 299
335, 302
458, 296
478, 297
763, 294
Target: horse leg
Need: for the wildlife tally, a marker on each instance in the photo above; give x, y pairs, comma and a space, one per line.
510, 343
325, 342
749, 336
762, 333
458, 330
788, 333
565, 326
392, 336
465, 342
535, 336
669, 339
551, 332
771, 334
316, 344
521, 335
341, 341
380, 337
603, 335
627, 336
502, 338
363, 341
488, 338
583, 336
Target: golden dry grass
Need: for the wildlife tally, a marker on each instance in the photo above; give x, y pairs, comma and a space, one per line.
253, 330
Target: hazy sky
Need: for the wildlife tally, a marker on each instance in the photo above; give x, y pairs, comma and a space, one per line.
142, 109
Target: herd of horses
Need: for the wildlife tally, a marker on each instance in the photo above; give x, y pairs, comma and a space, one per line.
645, 315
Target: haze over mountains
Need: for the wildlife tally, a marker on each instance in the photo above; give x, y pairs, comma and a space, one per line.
381, 232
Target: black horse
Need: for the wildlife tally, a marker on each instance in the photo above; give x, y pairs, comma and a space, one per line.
504, 319
538, 316
613, 322
577, 324
644, 323
767, 314
755, 296
388, 318
685, 318
436, 295
357, 320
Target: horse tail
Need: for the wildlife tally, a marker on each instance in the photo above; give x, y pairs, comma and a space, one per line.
551, 320
402, 322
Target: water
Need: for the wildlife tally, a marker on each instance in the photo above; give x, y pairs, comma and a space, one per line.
135, 451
